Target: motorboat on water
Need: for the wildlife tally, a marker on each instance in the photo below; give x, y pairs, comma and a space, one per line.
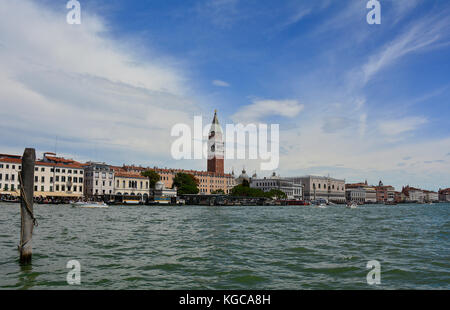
83, 204
321, 206
352, 205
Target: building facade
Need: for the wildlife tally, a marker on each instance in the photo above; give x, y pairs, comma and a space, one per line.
99, 179
128, 183
356, 195
53, 176
413, 195
317, 187
370, 191
430, 196
289, 187
444, 195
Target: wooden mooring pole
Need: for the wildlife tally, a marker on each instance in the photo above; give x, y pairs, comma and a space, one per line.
28, 221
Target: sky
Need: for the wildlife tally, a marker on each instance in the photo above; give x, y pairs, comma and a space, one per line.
353, 101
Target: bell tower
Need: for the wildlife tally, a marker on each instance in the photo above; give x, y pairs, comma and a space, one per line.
216, 149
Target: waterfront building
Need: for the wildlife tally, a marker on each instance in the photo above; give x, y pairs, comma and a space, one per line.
129, 183
289, 187
53, 176
430, 196
317, 187
444, 195
99, 179
357, 194
370, 191
164, 195
385, 193
412, 194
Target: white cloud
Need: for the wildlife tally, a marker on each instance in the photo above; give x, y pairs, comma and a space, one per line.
261, 109
399, 126
73, 81
220, 83
422, 34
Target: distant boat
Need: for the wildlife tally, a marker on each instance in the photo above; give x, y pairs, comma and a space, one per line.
82, 204
322, 206
352, 205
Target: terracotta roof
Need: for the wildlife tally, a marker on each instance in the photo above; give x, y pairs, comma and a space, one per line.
126, 174
445, 191
60, 165
11, 160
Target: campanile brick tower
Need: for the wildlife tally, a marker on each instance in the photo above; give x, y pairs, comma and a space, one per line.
215, 147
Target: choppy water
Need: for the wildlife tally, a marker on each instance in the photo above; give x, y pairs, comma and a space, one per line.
293, 247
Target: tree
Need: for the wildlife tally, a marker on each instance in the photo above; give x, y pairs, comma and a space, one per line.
152, 176
218, 192
276, 193
186, 183
244, 191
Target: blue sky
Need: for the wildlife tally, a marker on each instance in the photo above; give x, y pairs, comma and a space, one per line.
353, 100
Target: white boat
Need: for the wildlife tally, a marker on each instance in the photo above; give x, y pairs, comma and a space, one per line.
322, 206
352, 205
82, 204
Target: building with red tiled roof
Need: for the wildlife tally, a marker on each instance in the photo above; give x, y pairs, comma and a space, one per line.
60, 178
444, 195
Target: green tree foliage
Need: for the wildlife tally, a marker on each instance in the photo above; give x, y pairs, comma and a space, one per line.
246, 191
152, 176
276, 193
218, 192
186, 183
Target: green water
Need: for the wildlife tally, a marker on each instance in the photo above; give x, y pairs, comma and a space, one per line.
195, 247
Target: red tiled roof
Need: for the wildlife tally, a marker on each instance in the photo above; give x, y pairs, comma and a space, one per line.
126, 174
61, 165
11, 160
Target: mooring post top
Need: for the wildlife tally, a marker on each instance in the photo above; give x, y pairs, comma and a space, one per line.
29, 153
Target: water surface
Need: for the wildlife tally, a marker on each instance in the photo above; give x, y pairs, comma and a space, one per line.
196, 247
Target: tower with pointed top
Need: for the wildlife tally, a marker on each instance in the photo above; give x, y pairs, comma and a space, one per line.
216, 149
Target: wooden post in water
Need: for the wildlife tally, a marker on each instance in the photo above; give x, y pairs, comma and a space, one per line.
26, 178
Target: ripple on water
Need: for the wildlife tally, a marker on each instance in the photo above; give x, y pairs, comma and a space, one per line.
231, 248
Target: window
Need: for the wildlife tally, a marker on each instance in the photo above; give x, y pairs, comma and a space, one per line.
63, 179
51, 179
6, 177
42, 169
35, 188
51, 188
12, 187
42, 188
36, 178
1, 175
43, 179
69, 171
64, 171
52, 169
1, 166
63, 188
57, 178
36, 169
58, 170
14, 166
7, 166
57, 188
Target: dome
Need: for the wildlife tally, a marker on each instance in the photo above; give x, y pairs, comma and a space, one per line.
159, 185
242, 177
